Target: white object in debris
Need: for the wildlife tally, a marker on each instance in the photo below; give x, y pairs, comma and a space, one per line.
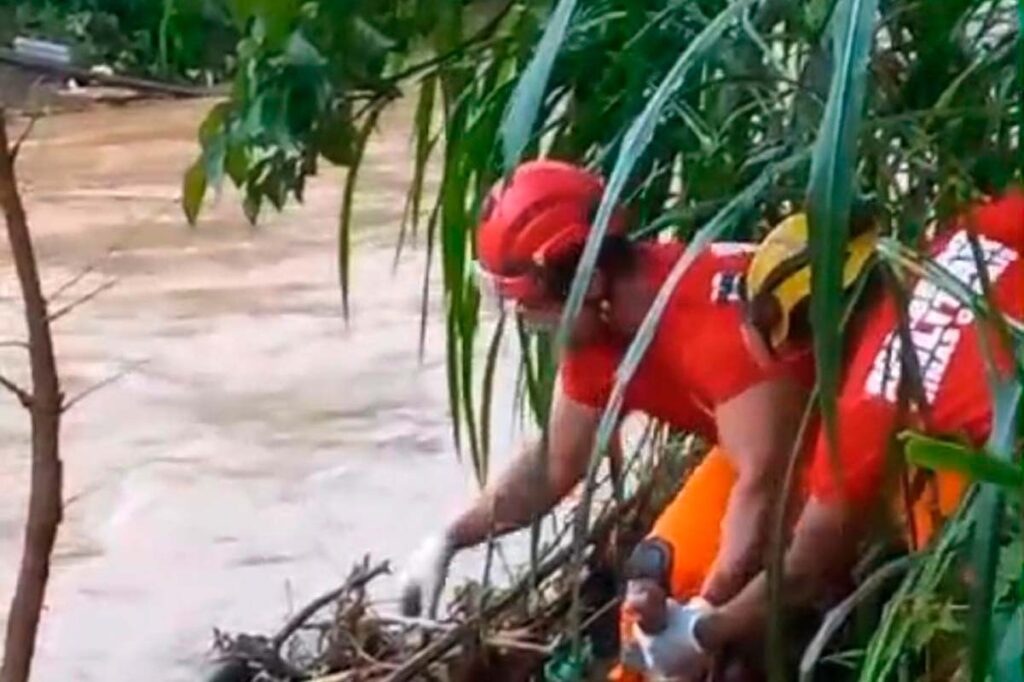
42, 50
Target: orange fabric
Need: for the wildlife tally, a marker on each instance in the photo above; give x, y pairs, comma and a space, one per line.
691, 523
937, 502
622, 674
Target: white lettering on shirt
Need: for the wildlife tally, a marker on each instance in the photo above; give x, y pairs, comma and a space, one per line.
936, 318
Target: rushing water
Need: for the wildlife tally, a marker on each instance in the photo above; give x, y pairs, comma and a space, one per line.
257, 445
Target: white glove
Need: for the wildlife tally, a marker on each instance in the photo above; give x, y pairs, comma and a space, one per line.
424, 574
675, 651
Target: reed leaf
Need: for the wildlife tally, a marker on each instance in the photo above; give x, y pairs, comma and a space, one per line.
347, 204
830, 192
979, 466
524, 106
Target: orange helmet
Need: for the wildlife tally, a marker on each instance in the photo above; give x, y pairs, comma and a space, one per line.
541, 213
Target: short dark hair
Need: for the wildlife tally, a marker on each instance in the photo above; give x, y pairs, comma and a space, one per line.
617, 256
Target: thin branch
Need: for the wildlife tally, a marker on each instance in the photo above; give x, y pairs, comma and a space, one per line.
359, 577
14, 344
24, 397
102, 384
483, 34
91, 267
24, 135
415, 664
835, 618
81, 300
414, 622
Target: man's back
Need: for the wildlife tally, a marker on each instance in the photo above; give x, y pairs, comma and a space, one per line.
698, 358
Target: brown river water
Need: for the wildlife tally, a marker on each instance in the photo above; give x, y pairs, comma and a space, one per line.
257, 445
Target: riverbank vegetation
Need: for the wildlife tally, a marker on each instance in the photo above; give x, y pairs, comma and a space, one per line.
177, 40
710, 119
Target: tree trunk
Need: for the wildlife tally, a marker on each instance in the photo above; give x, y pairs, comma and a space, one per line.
44, 404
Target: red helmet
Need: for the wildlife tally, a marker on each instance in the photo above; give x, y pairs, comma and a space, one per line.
543, 211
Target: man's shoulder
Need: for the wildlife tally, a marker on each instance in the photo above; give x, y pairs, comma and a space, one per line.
716, 275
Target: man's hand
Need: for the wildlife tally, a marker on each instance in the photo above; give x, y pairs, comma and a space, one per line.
424, 574
674, 652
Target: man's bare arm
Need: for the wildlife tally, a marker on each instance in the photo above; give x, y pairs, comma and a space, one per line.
533, 483
756, 429
820, 555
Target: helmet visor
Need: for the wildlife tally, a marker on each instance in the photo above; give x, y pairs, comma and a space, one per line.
505, 291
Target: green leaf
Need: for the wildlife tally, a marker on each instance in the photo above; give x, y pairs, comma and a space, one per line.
213, 124
347, 203
275, 18
989, 521
487, 393
830, 193
424, 144
979, 466
1010, 660
236, 163
336, 140
252, 203
192, 191
213, 139
521, 113
300, 52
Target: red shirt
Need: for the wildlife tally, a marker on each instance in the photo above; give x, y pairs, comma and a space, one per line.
949, 354
698, 358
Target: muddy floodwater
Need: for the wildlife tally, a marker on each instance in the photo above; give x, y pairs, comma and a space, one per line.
256, 444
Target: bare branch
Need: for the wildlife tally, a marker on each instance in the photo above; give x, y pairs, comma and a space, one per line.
16, 147
24, 397
103, 384
14, 344
91, 267
85, 298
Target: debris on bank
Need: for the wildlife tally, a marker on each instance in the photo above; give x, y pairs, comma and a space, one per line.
41, 75
517, 633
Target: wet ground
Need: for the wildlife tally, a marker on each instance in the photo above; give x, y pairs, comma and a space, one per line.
257, 445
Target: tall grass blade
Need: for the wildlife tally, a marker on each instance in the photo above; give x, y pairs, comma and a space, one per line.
838, 615
1010, 661
1020, 90
347, 203
897, 626
979, 466
455, 387
425, 287
424, 143
487, 393
524, 106
1006, 400
468, 317
831, 189
636, 139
